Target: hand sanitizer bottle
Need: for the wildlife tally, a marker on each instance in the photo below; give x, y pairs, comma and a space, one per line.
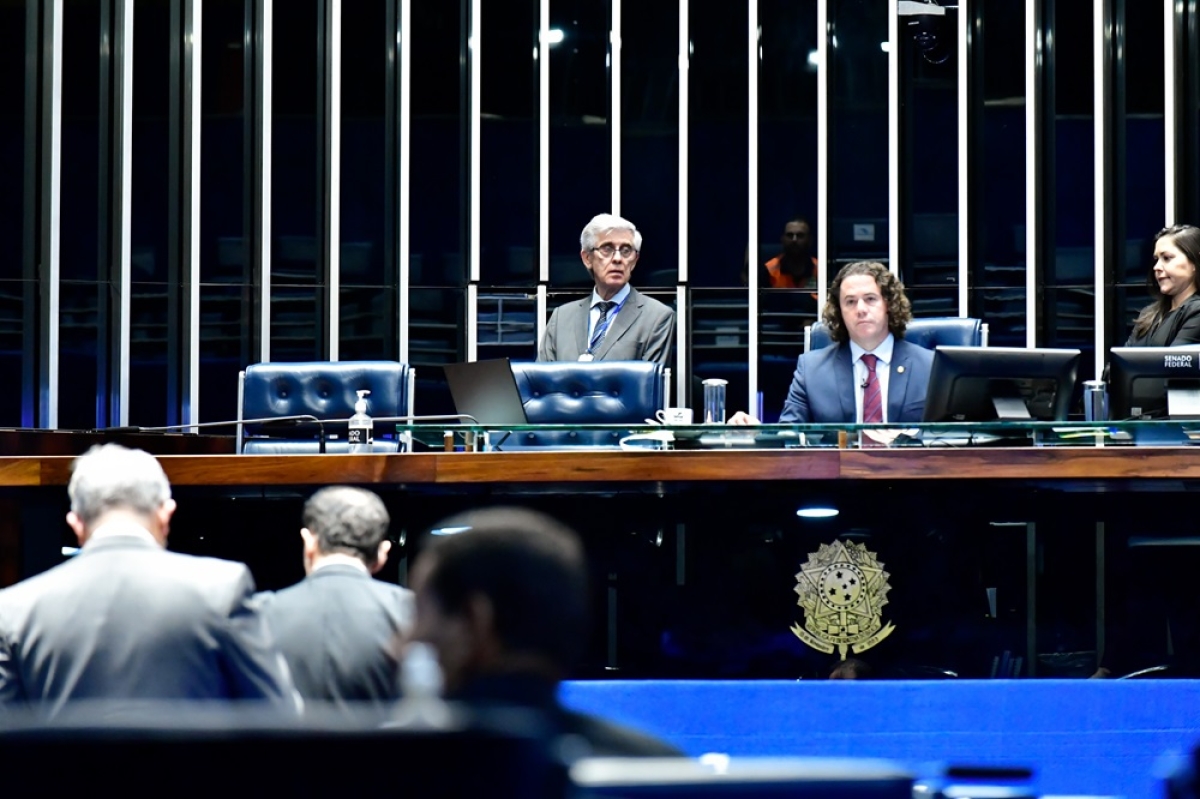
361, 433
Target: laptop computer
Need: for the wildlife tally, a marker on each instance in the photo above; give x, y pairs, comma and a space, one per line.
487, 391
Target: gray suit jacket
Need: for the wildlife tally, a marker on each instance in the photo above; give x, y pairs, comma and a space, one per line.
822, 390
644, 330
127, 620
339, 630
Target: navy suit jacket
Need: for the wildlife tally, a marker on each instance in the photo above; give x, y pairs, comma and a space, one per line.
643, 330
822, 390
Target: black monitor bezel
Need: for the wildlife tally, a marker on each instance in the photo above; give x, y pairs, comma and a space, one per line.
952, 364
1128, 364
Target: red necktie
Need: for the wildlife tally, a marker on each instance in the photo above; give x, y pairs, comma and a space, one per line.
872, 401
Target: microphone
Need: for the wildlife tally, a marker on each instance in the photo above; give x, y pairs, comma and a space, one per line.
866, 381
303, 417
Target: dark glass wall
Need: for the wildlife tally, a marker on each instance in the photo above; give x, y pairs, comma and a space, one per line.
368, 309
297, 180
85, 215
580, 170
15, 218
997, 263
1070, 297
787, 184
227, 293
153, 362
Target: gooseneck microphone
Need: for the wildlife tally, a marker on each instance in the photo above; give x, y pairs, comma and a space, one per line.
296, 419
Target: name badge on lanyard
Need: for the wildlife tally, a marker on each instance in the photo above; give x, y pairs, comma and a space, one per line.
587, 356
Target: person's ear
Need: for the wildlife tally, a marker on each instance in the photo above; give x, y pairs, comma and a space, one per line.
381, 555
310, 542
77, 527
163, 517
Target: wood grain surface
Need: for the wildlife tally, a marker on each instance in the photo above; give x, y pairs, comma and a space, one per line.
1018, 463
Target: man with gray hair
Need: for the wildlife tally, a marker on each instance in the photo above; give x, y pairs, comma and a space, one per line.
617, 322
339, 629
127, 620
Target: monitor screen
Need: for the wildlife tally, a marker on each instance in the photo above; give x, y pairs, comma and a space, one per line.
1152, 382
980, 384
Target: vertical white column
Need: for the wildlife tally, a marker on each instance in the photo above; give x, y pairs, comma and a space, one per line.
474, 46
893, 139
543, 59
1101, 116
685, 52
964, 161
263, 145
122, 196
615, 105
192, 16
51, 221
1033, 113
753, 55
822, 220
1171, 143
333, 206
404, 240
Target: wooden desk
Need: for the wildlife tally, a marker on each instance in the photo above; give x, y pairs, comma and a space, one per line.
1059, 464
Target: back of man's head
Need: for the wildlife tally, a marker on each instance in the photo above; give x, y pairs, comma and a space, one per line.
528, 566
112, 477
347, 520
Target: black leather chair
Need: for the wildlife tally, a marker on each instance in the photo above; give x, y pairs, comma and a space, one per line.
597, 392
928, 332
326, 390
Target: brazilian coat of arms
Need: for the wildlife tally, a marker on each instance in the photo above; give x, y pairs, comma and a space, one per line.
842, 588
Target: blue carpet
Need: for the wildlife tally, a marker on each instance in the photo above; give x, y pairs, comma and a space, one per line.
1098, 737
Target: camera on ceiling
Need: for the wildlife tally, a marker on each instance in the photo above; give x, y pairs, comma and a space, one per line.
931, 31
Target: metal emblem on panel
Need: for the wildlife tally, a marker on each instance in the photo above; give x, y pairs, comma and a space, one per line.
842, 588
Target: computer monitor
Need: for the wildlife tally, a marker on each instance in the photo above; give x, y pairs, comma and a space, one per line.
1154, 382
980, 384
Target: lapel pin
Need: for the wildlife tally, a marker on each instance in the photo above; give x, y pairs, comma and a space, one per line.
900, 370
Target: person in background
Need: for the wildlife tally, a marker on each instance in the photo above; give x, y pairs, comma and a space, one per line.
339, 629
503, 602
795, 267
869, 374
125, 620
617, 322
1173, 319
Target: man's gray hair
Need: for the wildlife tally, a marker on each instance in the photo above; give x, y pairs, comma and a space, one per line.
110, 476
603, 222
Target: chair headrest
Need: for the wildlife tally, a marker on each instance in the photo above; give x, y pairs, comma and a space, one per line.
927, 332
600, 392
325, 389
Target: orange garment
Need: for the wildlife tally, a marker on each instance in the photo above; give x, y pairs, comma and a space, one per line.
782, 280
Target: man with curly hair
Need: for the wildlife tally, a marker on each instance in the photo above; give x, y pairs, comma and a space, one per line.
870, 373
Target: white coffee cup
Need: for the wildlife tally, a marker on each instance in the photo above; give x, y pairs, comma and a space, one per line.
674, 416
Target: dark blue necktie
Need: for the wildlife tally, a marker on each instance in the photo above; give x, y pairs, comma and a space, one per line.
601, 324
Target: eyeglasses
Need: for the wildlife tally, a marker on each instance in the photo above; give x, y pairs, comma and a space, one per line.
608, 251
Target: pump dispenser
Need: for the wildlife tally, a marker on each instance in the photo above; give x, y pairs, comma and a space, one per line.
361, 433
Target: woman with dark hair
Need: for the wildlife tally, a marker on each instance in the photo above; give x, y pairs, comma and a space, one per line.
1173, 319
